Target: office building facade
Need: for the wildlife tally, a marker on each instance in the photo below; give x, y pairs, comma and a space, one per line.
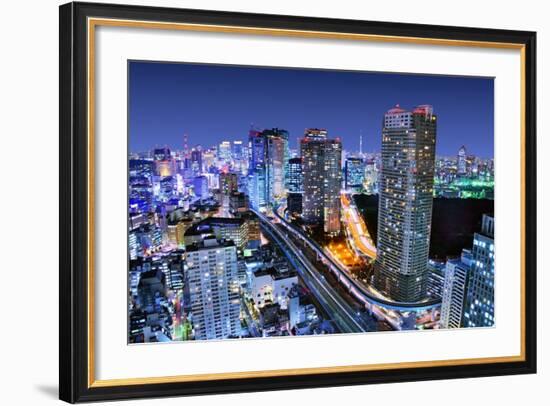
268, 166
322, 179
229, 183
354, 171
479, 310
457, 273
212, 276
295, 175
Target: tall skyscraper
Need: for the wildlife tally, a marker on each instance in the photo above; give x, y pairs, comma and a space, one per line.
295, 175
256, 170
256, 147
354, 171
213, 289
256, 189
238, 156
224, 152
461, 164
321, 166
196, 160
405, 202
276, 161
479, 309
268, 165
237, 150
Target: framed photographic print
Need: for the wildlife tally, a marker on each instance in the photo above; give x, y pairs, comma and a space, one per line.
256, 202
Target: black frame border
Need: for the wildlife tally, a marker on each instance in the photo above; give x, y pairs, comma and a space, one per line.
73, 196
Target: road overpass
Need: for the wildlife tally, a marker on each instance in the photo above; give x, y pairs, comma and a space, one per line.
346, 319
359, 237
363, 294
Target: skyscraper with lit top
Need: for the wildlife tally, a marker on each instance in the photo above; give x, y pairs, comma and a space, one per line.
405, 202
224, 152
196, 160
461, 164
322, 179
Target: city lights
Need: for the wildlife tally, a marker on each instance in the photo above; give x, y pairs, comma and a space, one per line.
269, 233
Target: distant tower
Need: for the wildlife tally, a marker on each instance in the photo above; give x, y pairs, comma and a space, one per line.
196, 160
461, 163
185, 146
405, 203
354, 174
361, 143
295, 175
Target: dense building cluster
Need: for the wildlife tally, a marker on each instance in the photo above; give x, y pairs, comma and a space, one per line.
202, 266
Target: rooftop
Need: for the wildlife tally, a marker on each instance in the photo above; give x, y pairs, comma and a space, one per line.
205, 226
209, 243
275, 273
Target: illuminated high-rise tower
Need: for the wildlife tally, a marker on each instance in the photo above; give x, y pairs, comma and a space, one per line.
295, 175
322, 177
276, 162
237, 150
256, 170
268, 166
213, 282
405, 202
224, 152
238, 155
354, 171
196, 160
461, 164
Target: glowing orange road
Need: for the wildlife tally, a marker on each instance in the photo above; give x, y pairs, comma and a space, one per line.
343, 254
357, 230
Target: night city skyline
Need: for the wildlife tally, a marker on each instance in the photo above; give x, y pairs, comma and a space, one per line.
273, 230
214, 103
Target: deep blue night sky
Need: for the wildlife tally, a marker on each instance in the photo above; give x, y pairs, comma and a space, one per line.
212, 103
